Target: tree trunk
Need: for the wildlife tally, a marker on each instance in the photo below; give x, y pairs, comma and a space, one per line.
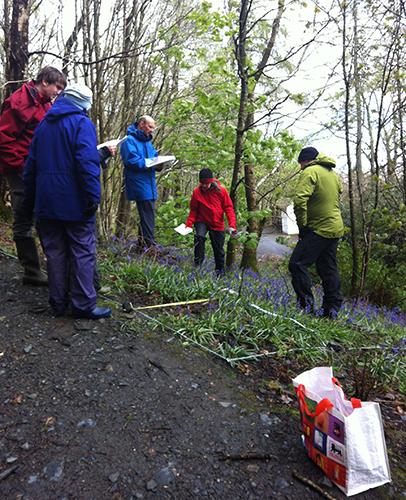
123, 211
18, 45
249, 256
351, 191
245, 122
241, 57
389, 65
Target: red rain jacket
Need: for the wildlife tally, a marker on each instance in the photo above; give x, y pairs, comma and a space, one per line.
210, 206
20, 115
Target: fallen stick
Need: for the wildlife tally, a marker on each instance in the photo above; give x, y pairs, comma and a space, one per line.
247, 456
172, 304
312, 485
157, 365
8, 472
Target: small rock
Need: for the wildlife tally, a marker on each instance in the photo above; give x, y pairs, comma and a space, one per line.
225, 404
281, 484
28, 348
194, 386
164, 476
33, 395
253, 468
151, 485
25, 446
109, 368
114, 477
11, 460
88, 393
32, 479
87, 423
54, 470
269, 420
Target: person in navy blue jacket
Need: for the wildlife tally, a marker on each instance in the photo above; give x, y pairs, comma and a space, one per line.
62, 184
140, 182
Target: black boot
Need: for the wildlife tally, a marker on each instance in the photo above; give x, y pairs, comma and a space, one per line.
28, 256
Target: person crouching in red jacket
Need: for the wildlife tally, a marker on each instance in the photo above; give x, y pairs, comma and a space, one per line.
209, 202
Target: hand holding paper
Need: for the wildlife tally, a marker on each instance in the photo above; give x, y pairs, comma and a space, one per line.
158, 161
183, 230
113, 143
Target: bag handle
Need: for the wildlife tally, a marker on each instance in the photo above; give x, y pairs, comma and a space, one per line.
323, 405
356, 403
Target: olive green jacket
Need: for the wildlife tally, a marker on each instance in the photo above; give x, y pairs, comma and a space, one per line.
316, 202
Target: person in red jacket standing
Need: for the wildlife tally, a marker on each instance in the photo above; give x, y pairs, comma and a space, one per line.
209, 202
20, 115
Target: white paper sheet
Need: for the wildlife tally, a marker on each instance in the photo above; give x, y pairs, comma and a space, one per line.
159, 160
112, 142
183, 230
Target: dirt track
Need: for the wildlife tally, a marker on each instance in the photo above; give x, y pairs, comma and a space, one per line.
90, 412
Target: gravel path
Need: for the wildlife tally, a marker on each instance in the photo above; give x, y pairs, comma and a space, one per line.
88, 411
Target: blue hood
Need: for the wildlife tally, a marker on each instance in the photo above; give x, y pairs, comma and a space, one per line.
138, 134
61, 108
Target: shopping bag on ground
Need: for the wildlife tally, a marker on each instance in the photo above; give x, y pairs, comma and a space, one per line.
343, 437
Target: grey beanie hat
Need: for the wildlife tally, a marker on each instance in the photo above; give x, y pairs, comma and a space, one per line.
79, 94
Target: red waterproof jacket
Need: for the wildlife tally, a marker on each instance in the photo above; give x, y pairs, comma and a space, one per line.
20, 115
210, 206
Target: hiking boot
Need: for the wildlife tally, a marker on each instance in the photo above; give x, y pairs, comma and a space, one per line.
95, 313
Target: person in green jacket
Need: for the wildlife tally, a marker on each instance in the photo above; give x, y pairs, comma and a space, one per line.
318, 216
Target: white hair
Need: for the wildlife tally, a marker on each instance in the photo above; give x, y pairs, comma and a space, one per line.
145, 118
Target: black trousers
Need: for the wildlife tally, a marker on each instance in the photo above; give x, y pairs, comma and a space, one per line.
314, 249
146, 228
217, 242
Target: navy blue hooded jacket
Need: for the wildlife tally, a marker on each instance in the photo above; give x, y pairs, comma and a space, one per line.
140, 183
62, 172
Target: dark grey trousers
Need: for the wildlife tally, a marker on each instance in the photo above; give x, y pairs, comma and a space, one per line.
146, 228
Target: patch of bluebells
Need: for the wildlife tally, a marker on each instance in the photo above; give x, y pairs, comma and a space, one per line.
361, 310
211, 307
268, 289
394, 352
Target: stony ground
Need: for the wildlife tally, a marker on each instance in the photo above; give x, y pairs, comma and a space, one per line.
88, 411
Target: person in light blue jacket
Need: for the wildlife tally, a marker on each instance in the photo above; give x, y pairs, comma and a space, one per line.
140, 182
62, 185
